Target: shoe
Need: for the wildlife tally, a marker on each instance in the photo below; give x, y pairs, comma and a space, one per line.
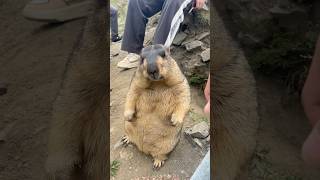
131, 61
57, 10
116, 39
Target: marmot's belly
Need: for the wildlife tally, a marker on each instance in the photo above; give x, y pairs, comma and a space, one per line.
151, 130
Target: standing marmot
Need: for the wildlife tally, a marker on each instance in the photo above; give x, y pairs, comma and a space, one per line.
156, 104
77, 142
234, 106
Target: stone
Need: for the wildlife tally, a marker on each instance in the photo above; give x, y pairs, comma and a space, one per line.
248, 40
290, 18
193, 45
200, 130
149, 36
180, 37
208, 139
202, 35
205, 55
278, 11
198, 142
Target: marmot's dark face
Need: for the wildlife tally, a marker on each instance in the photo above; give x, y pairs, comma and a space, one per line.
154, 62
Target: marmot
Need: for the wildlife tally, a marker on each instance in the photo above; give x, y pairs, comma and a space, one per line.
234, 105
156, 104
77, 147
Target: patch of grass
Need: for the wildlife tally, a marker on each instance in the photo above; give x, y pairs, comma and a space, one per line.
197, 117
287, 56
196, 80
114, 167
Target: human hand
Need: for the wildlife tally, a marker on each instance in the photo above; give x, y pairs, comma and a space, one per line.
311, 147
207, 96
199, 4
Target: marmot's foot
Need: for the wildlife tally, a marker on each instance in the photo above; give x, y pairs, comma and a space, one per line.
128, 115
174, 120
125, 140
157, 164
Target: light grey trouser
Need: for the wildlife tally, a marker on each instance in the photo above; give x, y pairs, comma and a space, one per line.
203, 170
114, 21
137, 17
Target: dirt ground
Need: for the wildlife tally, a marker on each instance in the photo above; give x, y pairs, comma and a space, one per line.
282, 131
33, 58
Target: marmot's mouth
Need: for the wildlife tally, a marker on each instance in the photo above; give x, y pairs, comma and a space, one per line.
155, 78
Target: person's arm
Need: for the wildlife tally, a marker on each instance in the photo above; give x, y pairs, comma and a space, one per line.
200, 4
311, 89
207, 96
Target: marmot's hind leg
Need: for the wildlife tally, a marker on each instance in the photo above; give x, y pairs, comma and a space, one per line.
158, 161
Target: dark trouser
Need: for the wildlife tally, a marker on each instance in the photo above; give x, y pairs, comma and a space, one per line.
114, 21
137, 17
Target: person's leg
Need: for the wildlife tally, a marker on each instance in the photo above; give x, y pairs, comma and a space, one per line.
203, 170
171, 16
137, 17
114, 23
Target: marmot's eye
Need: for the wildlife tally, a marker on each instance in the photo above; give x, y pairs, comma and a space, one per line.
162, 54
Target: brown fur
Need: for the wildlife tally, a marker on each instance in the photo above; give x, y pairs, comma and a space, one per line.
155, 110
77, 139
234, 105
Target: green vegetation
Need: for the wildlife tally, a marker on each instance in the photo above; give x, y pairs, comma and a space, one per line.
114, 167
196, 80
197, 117
287, 56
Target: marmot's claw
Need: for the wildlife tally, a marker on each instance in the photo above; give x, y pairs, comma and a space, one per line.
125, 140
157, 164
128, 115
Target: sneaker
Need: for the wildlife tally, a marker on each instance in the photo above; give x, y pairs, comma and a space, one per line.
116, 39
57, 10
131, 61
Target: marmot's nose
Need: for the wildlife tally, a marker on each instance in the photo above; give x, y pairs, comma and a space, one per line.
153, 72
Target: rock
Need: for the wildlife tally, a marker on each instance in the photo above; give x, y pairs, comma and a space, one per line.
290, 18
200, 130
193, 45
202, 35
149, 36
248, 40
187, 41
180, 37
198, 142
205, 55
3, 89
278, 11
208, 139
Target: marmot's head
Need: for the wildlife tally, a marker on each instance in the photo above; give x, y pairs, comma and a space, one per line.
155, 62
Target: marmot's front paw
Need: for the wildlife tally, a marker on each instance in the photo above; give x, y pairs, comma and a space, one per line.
175, 120
128, 115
